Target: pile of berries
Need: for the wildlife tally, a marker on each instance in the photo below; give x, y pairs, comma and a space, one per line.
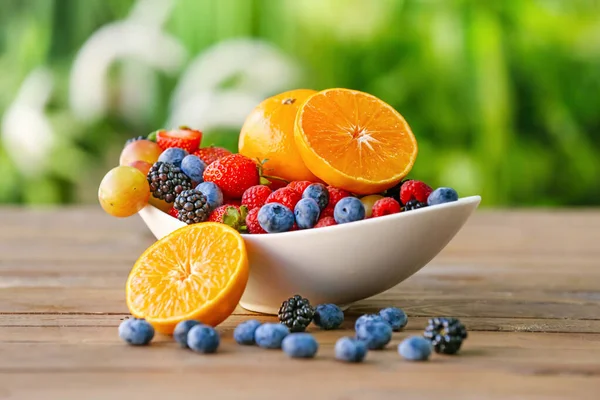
372, 332
197, 184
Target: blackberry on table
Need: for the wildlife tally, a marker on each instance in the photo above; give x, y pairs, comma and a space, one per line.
446, 334
413, 205
296, 313
192, 207
167, 181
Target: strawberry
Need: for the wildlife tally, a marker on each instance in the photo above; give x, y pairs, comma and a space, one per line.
256, 196
286, 196
299, 186
325, 221
184, 138
211, 154
233, 174
335, 195
230, 215
252, 222
385, 206
414, 190
173, 212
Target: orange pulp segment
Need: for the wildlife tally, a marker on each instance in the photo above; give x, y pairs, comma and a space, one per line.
354, 141
197, 272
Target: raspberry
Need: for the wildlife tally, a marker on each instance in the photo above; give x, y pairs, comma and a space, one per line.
325, 221
285, 196
173, 212
252, 222
299, 186
335, 195
385, 206
414, 190
256, 196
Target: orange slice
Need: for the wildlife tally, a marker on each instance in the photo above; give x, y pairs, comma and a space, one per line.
354, 141
197, 272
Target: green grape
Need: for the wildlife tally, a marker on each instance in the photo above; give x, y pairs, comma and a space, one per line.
368, 202
123, 191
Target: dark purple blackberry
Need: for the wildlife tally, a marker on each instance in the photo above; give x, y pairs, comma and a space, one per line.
446, 334
167, 181
394, 192
413, 205
192, 207
296, 313
134, 139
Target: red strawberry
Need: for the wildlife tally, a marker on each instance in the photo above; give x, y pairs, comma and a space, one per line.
385, 206
230, 215
211, 154
299, 186
414, 190
184, 138
256, 196
233, 174
286, 196
325, 221
173, 212
252, 222
335, 195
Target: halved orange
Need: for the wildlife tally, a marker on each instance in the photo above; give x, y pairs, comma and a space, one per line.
354, 141
197, 272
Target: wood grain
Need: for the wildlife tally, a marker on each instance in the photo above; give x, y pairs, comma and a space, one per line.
525, 283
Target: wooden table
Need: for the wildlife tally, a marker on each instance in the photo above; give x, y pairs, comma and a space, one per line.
526, 284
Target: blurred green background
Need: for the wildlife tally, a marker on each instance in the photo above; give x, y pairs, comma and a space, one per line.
503, 96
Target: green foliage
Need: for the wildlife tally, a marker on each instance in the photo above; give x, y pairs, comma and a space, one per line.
503, 96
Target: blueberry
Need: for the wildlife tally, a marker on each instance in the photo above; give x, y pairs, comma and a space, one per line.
244, 332
318, 192
395, 317
173, 155
307, 213
348, 209
442, 195
415, 348
193, 167
270, 336
300, 345
137, 332
328, 316
181, 332
350, 350
275, 218
367, 318
375, 334
203, 339
213, 194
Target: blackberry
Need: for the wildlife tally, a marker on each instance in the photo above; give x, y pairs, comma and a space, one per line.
296, 313
446, 334
413, 205
192, 207
134, 139
167, 181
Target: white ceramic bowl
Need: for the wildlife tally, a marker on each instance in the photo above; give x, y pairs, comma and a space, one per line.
339, 264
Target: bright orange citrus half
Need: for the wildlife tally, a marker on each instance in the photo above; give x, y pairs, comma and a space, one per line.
197, 272
354, 141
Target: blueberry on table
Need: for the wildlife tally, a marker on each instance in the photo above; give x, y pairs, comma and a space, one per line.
348, 209
135, 331
367, 318
203, 339
395, 317
270, 336
415, 348
350, 350
376, 335
300, 345
181, 331
328, 316
244, 332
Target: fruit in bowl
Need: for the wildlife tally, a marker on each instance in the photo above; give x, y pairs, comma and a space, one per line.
345, 225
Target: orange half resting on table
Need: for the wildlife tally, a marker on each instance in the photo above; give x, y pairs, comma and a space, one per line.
354, 141
197, 272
